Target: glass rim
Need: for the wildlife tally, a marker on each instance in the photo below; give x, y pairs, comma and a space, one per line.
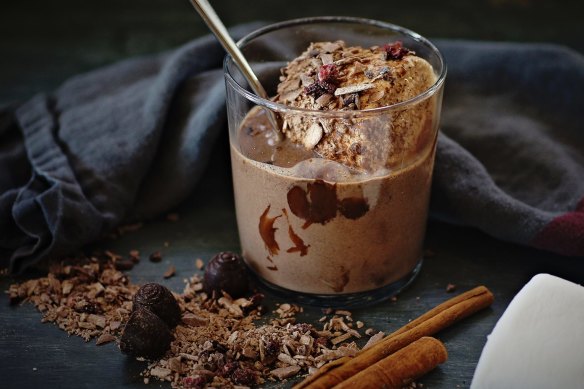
277, 107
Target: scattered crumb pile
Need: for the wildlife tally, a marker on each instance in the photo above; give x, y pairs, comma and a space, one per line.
220, 343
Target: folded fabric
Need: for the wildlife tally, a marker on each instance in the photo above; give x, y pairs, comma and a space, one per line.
511, 162
77, 162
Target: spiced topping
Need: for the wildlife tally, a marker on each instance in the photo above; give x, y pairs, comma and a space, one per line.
243, 376
217, 344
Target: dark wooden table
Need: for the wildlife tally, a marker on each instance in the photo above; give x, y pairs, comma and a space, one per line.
42, 43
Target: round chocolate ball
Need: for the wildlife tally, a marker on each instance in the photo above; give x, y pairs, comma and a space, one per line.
159, 300
145, 335
226, 272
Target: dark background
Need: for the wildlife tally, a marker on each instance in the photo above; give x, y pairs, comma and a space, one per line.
44, 42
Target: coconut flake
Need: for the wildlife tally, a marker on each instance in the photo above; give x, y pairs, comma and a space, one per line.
353, 89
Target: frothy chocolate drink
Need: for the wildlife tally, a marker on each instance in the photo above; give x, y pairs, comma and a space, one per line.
339, 205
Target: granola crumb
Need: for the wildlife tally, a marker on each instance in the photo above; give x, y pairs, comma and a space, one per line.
170, 272
135, 256
218, 343
156, 257
450, 288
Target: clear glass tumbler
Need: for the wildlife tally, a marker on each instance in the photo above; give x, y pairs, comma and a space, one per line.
315, 228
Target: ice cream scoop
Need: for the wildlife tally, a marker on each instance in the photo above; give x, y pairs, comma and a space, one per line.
331, 76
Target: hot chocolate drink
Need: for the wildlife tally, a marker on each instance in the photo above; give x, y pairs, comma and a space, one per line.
339, 205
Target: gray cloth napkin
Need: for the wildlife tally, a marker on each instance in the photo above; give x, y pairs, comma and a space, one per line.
77, 162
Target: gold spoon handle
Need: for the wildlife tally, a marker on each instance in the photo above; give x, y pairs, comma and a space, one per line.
216, 26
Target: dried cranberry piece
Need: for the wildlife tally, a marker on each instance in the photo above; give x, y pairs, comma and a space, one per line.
322, 341
319, 88
228, 369
328, 79
243, 376
196, 382
302, 327
328, 73
314, 90
395, 50
272, 350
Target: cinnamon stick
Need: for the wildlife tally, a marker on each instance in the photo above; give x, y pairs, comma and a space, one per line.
401, 367
428, 324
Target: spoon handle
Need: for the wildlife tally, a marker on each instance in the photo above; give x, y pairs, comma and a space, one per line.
216, 26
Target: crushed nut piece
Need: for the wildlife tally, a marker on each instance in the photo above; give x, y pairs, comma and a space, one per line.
156, 256
105, 338
218, 342
353, 89
169, 272
374, 339
285, 372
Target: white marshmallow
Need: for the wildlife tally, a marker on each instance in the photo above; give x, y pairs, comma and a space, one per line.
539, 340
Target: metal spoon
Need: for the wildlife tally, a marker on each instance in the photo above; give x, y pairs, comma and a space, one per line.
216, 26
